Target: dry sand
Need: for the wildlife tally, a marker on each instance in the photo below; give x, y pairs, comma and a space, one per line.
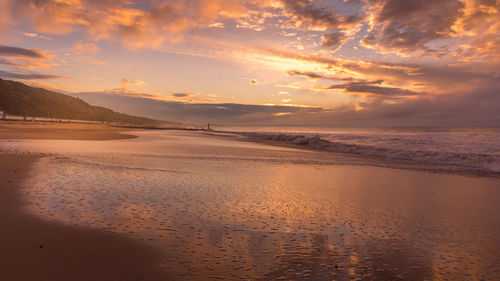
60, 131
33, 249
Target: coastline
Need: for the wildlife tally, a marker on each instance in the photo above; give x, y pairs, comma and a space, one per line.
98, 132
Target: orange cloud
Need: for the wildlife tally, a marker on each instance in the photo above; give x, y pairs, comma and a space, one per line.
478, 17
398, 27
126, 83
98, 62
136, 27
466, 31
86, 47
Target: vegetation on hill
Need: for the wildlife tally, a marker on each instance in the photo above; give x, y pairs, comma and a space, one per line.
19, 99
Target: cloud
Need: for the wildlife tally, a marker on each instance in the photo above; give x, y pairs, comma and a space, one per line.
27, 76
20, 62
282, 113
34, 35
333, 41
483, 49
7, 62
303, 56
137, 24
311, 15
221, 113
310, 75
98, 62
373, 88
126, 83
144, 24
465, 108
181, 95
394, 26
436, 78
409, 25
253, 81
428, 27
189, 98
10, 51
85, 47
478, 17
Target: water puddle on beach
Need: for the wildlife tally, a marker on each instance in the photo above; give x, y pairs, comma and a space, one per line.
231, 210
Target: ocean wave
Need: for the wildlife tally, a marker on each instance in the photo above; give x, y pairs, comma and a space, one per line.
429, 158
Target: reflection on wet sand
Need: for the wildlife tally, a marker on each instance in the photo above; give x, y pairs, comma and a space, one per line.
255, 212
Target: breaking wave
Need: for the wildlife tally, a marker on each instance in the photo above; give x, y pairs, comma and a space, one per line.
412, 151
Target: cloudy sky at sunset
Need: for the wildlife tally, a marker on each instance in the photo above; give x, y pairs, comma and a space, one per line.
304, 62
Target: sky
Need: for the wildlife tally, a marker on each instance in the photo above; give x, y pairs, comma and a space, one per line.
278, 62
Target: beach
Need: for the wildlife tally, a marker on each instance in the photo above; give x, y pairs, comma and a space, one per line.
37, 249
93, 203
60, 131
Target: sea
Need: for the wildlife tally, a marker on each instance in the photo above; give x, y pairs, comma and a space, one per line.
435, 148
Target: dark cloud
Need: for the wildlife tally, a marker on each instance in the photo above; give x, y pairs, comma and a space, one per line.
334, 40
27, 76
310, 14
471, 108
373, 87
19, 52
7, 62
408, 25
444, 77
195, 113
440, 75
310, 75
181, 95
468, 108
17, 69
253, 81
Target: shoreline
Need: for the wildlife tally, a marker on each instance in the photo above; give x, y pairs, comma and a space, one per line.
36, 249
102, 132
61, 131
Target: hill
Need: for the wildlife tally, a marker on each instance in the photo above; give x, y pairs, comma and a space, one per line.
20, 99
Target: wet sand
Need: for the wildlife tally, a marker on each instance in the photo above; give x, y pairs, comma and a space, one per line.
232, 210
35, 249
60, 131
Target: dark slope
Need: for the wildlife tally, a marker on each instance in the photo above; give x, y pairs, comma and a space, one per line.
19, 99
